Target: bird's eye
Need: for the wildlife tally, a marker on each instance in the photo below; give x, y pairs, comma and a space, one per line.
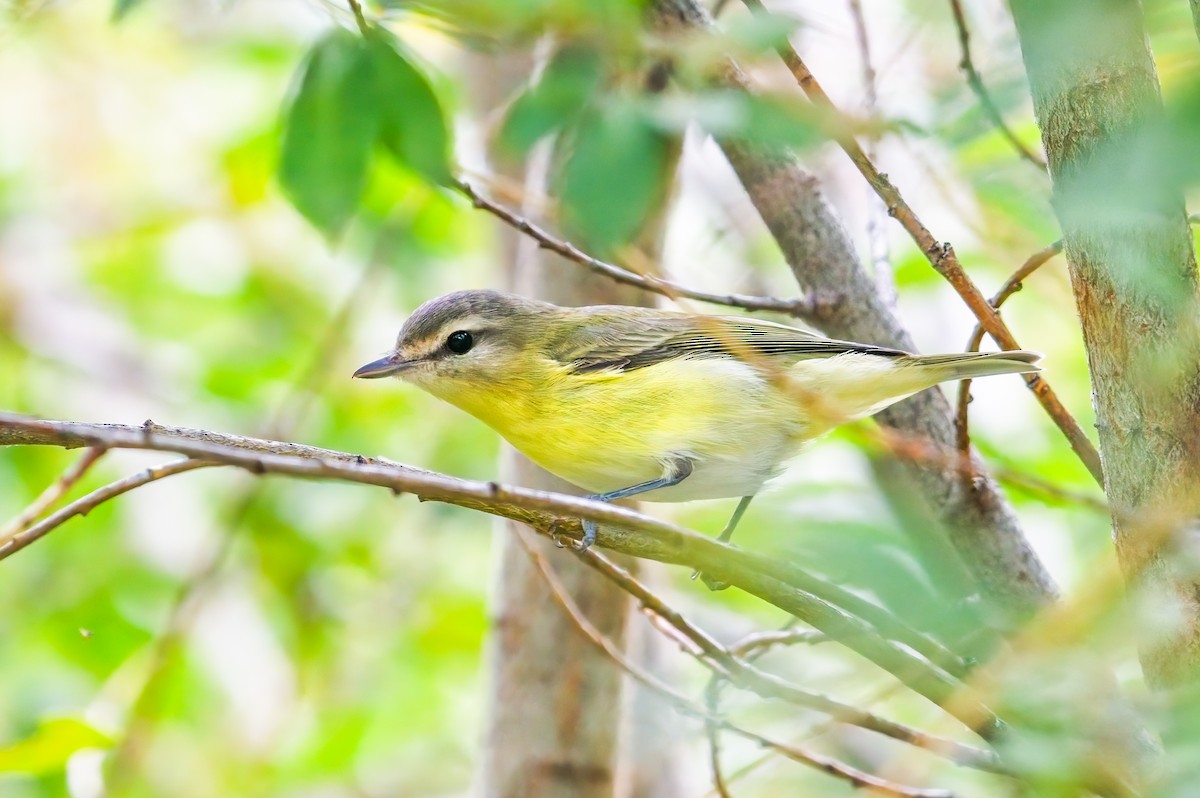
460, 342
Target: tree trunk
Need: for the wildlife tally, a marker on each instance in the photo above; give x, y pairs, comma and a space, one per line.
978, 520
1133, 270
555, 701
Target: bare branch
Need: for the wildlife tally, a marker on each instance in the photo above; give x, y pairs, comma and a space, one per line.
1011, 286
808, 308
975, 81
877, 240
760, 641
687, 706
53, 492
978, 520
921, 450
943, 259
772, 579
745, 675
86, 504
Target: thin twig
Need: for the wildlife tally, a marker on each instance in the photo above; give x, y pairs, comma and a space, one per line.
53, 492
359, 18
687, 706
877, 240
1011, 286
283, 419
923, 450
761, 641
975, 81
85, 504
712, 735
943, 259
746, 676
809, 308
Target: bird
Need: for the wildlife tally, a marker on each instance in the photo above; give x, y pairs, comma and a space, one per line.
668, 406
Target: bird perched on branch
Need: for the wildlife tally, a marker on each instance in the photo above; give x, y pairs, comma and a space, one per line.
628, 401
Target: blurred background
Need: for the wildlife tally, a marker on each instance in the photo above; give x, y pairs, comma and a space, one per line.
220, 634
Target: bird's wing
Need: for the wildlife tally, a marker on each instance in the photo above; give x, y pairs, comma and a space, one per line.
625, 340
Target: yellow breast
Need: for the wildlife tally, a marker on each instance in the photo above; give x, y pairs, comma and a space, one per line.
605, 430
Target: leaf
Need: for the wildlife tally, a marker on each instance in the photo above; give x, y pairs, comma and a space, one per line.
613, 177
49, 748
329, 131
414, 127
567, 86
122, 7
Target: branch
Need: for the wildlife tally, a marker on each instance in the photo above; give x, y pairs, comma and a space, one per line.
686, 706
356, 8
977, 518
741, 673
943, 260
552, 514
760, 641
86, 504
877, 239
1011, 286
985, 99
809, 308
50, 495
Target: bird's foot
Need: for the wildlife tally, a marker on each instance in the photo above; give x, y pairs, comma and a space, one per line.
589, 536
710, 582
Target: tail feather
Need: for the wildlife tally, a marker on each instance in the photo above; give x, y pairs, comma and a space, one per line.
977, 364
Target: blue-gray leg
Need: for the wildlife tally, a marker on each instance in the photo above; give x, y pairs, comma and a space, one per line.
726, 534
679, 469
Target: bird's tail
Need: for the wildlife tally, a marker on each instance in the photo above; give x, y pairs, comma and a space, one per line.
944, 368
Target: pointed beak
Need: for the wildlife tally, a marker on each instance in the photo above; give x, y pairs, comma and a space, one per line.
384, 367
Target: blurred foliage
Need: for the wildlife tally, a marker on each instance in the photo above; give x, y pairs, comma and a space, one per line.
354, 92
156, 262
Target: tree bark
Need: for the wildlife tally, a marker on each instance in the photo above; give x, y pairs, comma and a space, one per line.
555, 704
1133, 271
978, 520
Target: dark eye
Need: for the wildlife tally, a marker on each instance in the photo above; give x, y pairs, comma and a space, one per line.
460, 342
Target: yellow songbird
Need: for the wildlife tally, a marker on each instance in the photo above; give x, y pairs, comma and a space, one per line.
628, 401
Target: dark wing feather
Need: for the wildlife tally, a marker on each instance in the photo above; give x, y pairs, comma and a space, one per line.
626, 339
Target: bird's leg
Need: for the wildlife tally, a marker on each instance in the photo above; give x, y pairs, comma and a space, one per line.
678, 469
726, 534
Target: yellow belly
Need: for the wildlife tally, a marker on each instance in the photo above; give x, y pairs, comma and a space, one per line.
608, 430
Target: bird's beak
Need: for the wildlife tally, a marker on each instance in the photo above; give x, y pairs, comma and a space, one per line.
384, 367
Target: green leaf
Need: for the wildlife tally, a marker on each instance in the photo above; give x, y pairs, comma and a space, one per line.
122, 7
567, 86
413, 127
613, 177
329, 131
49, 748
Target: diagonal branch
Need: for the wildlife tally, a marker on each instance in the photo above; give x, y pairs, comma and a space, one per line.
50, 495
745, 675
975, 81
686, 706
86, 504
944, 261
1011, 286
769, 578
977, 518
809, 308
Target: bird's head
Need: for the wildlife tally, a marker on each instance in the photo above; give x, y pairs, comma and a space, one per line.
465, 341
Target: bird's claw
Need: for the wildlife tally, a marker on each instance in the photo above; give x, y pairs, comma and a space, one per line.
589, 537
709, 582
